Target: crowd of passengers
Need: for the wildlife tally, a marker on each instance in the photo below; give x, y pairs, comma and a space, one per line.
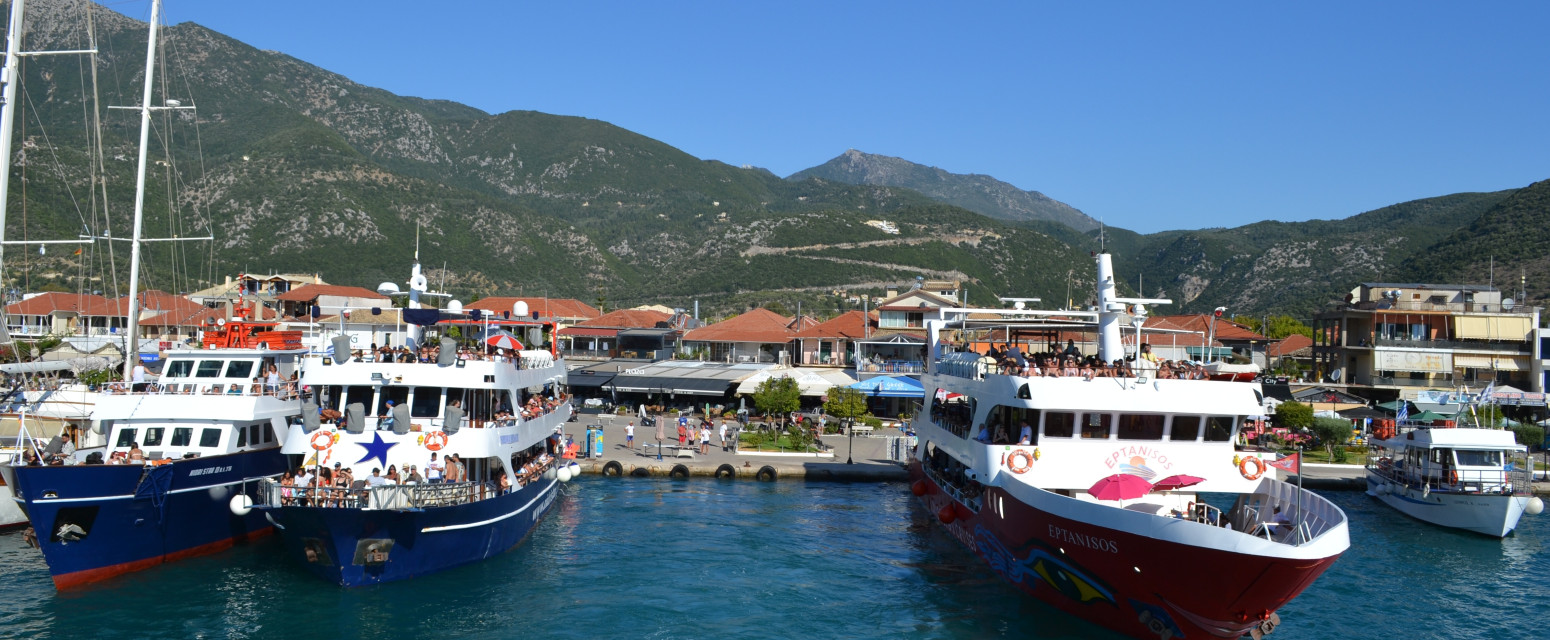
337, 486
951, 474
429, 354
1070, 363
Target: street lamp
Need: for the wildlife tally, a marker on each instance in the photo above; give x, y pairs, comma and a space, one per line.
1210, 342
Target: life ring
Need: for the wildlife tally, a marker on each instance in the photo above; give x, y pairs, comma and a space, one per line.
613, 468
1454, 476
322, 440
1259, 468
679, 472
1014, 466
435, 440
766, 474
726, 471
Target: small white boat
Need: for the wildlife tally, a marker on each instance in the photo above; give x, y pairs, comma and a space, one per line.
1471, 479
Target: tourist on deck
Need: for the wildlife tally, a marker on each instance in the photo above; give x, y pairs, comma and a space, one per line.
385, 420
433, 470
414, 477
272, 381
376, 479
137, 376
1025, 435
392, 474
983, 436
136, 456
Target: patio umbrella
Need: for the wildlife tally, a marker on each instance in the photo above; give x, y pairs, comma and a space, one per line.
1177, 482
1120, 486
1427, 416
503, 340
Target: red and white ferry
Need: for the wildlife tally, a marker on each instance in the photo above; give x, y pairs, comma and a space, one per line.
1161, 563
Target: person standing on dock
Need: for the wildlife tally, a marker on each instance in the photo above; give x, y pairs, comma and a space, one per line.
723, 435
704, 438
629, 435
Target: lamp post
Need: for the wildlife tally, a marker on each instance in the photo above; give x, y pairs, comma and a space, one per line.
1210, 342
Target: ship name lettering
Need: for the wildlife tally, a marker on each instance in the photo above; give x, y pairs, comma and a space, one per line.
208, 471
1091, 542
1138, 450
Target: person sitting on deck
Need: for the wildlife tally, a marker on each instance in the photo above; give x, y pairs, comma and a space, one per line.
983, 436
376, 479
1025, 435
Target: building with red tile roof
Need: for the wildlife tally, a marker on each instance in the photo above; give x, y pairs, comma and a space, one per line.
564, 312
833, 342
1188, 335
329, 298
598, 337
759, 335
52, 313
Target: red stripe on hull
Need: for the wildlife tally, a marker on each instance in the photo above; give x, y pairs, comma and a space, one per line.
1136, 585
78, 578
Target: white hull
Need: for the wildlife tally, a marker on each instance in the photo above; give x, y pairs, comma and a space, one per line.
10, 511
1492, 515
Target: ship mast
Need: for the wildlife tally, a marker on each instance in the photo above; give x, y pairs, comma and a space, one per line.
132, 339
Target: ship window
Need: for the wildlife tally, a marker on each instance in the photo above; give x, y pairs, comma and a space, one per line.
1185, 428
1218, 428
427, 402
242, 437
255, 433
1059, 424
1441, 456
268, 432
1468, 458
153, 436
240, 369
398, 395
1140, 426
1023, 393
179, 368
210, 438
361, 394
1096, 425
209, 369
126, 437
1005, 424
181, 437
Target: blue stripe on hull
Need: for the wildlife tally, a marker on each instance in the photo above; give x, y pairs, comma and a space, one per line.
135, 516
506, 521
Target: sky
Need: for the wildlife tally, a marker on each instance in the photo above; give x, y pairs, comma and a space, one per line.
1147, 115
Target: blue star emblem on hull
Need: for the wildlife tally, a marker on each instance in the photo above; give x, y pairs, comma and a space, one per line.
377, 448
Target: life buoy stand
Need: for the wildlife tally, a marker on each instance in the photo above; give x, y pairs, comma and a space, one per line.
435, 440
1259, 468
322, 440
1012, 461
613, 468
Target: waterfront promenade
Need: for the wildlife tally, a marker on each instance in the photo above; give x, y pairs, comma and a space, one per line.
871, 454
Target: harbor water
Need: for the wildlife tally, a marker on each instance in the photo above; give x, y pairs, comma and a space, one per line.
657, 558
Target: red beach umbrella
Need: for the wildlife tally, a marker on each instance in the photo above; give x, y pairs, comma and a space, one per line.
503, 340
1177, 482
1120, 486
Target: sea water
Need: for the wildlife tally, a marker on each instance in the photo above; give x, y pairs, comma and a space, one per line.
656, 558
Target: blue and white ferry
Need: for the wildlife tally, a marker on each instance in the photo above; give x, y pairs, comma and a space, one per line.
465, 405
178, 453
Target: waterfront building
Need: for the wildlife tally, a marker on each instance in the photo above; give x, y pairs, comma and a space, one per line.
600, 338
1390, 340
757, 336
562, 312
833, 343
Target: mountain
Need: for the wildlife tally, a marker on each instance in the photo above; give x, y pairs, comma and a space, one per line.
293, 168
978, 193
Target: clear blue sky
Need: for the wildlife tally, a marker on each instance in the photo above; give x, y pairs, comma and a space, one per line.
1150, 115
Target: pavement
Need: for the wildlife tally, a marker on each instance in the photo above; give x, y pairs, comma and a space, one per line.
870, 454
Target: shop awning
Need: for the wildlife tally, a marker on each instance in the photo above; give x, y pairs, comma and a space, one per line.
589, 379
666, 384
891, 387
811, 382
1496, 363
1512, 328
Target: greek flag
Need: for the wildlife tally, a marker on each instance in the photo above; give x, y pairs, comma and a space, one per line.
1485, 394
1404, 412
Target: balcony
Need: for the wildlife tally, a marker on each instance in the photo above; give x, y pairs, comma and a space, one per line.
894, 366
1519, 347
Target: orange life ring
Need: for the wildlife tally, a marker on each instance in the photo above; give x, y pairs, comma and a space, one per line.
1027, 461
1454, 474
1259, 468
435, 440
327, 440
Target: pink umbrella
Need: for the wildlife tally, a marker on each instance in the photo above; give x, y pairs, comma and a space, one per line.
1177, 482
1120, 486
503, 341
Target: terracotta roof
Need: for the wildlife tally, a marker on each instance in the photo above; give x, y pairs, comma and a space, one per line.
1225, 329
46, 303
311, 292
548, 308
939, 300
579, 331
851, 324
759, 325
802, 323
1290, 345
625, 319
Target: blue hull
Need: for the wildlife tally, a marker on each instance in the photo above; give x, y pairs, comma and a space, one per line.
133, 517
332, 542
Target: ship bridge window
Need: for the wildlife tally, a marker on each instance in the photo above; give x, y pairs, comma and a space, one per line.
1218, 429
1096, 425
1005, 424
126, 437
1441, 456
426, 403
1186, 428
242, 437
179, 368
1140, 426
350, 395
153, 436
181, 437
1059, 424
210, 437
398, 395
209, 369
239, 369
1470, 458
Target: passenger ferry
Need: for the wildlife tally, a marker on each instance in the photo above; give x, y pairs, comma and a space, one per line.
495, 413
1472, 479
1019, 466
178, 452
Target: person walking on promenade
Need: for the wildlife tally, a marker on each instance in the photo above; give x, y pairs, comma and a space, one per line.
629, 435
723, 435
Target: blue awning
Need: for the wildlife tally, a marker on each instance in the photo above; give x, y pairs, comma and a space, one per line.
890, 387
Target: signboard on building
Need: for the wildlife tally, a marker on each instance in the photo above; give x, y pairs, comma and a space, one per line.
1424, 361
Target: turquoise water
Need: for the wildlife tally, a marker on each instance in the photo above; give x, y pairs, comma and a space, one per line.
648, 558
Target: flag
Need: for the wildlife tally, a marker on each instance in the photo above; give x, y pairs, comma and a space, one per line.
1290, 464
1485, 394
77, 252
1404, 412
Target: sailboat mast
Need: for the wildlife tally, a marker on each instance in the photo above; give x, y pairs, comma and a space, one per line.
11, 71
132, 340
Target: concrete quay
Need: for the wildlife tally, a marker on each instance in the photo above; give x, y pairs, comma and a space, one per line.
870, 456
1354, 477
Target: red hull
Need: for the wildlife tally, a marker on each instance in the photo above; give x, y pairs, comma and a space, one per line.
1138, 586
72, 580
